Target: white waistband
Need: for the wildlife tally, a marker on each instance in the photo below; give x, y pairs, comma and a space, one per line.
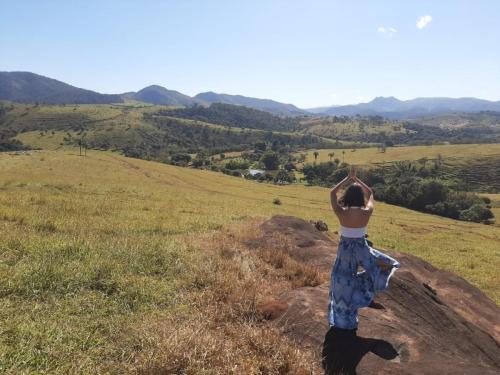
352, 232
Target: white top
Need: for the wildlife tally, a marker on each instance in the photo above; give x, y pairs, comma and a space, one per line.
352, 232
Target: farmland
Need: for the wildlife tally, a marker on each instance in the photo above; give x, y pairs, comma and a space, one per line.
475, 165
373, 155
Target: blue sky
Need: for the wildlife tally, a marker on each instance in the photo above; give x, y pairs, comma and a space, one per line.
309, 53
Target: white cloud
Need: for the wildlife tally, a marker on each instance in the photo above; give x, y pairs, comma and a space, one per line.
423, 21
387, 30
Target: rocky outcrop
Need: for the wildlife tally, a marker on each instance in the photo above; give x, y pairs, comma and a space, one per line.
430, 321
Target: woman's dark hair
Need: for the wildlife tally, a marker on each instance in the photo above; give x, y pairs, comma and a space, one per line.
353, 196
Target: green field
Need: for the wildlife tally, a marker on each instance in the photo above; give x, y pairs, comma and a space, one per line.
95, 253
373, 155
476, 165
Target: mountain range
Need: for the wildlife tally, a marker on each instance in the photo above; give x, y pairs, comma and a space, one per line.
26, 87
391, 107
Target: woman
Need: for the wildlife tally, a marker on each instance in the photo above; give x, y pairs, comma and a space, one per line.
350, 289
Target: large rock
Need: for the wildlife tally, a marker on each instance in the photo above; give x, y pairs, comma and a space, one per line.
430, 321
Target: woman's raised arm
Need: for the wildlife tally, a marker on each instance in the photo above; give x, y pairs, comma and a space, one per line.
368, 191
333, 195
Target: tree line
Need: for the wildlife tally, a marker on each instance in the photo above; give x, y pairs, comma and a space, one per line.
415, 185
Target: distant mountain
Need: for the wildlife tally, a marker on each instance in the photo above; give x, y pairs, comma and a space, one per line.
26, 87
160, 95
267, 105
394, 108
320, 109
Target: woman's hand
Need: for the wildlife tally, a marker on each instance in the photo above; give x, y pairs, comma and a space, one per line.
352, 173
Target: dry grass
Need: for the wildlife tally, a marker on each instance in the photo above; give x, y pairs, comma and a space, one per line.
224, 333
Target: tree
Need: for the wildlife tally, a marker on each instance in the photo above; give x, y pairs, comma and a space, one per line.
270, 160
343, 156
331, 155
180, 159
234, 164
316, 154
283, 177
261, 146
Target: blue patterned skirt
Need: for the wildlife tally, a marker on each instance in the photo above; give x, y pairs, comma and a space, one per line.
350, 289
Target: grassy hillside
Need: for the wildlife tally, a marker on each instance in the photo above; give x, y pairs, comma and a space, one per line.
99, 271
148, 132
350, 129
236, 115
460, 120
477, 165
467, 128
373, 155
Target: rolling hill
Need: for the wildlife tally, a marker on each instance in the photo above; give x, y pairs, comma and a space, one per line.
392, 107
267, 105
26, 87
475, 166
150, 132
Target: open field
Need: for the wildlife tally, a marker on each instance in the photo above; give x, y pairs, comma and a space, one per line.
476, 165
98, 269
51, 140
370, 156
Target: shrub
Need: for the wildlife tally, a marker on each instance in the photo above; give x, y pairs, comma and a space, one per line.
277, 201
323, 173
476, 213
284, 176
260, 146
270, 160
237, 164
486, 200
264, 177
180, 159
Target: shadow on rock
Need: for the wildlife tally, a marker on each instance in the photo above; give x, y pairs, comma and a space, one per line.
343, 349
